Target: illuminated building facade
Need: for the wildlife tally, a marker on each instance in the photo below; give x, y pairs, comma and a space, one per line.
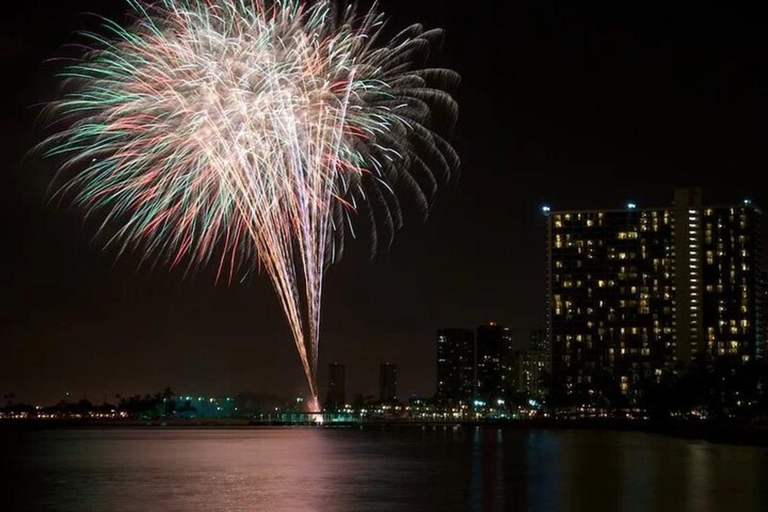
532, 368
639, 293
524, 374
455, 366
538, 342
494, 361
388, 383
762, 347
731, 284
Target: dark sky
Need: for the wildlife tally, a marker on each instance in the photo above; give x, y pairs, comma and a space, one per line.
561, 103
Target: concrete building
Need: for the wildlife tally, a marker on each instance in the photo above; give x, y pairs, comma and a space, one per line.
336, 387
455, 366
635, 294
388, 383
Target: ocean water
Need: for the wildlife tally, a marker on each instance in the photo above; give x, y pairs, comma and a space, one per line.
375, 469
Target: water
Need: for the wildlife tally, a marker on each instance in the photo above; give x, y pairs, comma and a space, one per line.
305, 469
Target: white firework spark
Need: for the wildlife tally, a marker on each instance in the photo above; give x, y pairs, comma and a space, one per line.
253, 131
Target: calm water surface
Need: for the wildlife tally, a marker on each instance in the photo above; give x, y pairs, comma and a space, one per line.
376, 470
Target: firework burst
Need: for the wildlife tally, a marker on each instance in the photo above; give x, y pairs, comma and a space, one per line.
250, 133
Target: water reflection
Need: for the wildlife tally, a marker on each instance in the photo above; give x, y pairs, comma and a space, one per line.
699, 478
546, 478
496, 464
410, 468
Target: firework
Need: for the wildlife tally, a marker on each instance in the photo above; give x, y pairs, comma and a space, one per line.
252, 133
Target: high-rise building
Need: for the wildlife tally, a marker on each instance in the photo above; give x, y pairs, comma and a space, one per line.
532, 368
762, 311
541, 349
336, 387
730, 277
493, 363
538, 341
637, 293
388, 383
527, 375
455, 366
521, 373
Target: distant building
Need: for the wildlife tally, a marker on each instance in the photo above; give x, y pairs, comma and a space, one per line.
336, 387
493, 349
538, 342
528, 375
455, 366
636, 294
388, 383
762, 310
539, 363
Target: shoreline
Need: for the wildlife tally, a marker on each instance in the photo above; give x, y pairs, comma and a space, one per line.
719, 433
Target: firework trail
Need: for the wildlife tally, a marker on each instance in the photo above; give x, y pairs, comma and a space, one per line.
249, 133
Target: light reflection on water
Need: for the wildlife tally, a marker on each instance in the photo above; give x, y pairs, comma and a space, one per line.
409, 468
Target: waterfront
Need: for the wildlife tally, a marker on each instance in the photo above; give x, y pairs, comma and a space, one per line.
441, 468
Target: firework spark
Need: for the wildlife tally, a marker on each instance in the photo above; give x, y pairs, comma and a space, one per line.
245, 133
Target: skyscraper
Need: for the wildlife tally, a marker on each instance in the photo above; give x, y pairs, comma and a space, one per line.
541, 354
455, 366
637, 293
527, 374
538, 342
729, 283
494, 363
762, 311
336, 387
388, 383
533, 367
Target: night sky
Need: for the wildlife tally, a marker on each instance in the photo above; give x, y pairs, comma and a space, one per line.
561, 103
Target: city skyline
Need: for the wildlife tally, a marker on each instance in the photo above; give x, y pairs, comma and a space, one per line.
75, 320
536, 337
345, 255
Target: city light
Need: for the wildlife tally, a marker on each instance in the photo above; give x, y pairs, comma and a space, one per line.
700, 273
604, 358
